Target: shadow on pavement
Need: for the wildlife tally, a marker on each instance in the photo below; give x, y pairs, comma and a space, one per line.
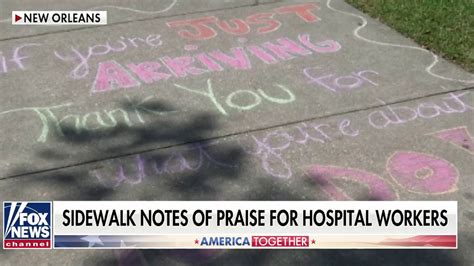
197, 171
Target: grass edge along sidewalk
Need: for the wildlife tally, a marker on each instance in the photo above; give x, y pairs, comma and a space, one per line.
444, 26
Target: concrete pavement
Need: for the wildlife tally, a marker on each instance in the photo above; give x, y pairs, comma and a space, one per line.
246, 101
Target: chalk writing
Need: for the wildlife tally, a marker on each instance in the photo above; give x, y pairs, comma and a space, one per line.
43, 114
188, 160
270, 147
16, 61
460, 137
231, 100
422, 173
334, 83
81, 58
201, 28
112, 75
133, 171
54, 123
395, 115
378, 188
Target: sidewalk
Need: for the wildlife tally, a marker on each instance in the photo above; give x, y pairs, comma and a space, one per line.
234, 100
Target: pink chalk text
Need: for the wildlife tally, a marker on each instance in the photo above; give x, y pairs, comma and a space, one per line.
111, 75
204, 28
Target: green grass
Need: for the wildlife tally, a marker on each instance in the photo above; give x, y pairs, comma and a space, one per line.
443, 26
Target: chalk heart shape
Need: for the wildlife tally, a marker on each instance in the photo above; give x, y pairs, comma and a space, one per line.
379, 189
422, 173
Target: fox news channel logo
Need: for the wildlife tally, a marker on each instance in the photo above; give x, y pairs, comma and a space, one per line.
27, 225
